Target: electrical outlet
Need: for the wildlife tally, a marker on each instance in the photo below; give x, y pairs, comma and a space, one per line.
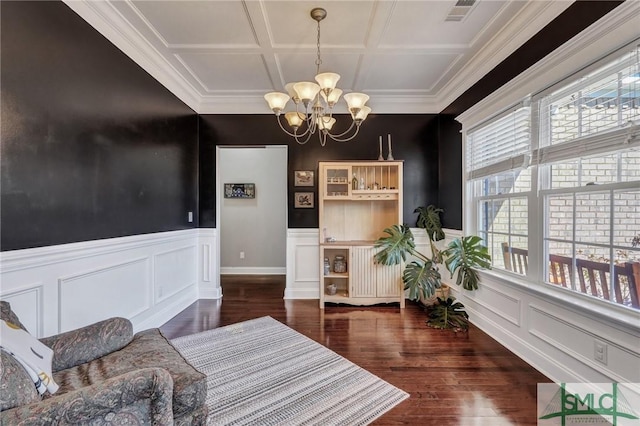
241, 255
600, 352
190, 217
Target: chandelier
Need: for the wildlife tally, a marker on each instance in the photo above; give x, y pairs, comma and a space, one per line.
314, 103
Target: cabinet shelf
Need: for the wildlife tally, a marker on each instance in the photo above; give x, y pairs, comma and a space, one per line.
337, 275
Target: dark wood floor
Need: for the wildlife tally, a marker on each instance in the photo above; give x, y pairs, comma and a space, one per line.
453, 379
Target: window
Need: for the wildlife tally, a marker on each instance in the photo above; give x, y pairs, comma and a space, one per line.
571, 164
497, 160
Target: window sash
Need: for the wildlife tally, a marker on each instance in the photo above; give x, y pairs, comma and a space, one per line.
509, 135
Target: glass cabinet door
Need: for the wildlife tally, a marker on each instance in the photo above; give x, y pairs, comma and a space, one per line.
337, 181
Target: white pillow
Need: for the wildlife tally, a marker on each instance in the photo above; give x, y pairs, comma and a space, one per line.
34, 355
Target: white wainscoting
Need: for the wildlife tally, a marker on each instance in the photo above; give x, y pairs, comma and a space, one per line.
208, 268
146, 278
303, 267
555, 337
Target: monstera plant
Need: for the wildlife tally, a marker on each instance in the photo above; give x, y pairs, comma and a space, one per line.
421, 275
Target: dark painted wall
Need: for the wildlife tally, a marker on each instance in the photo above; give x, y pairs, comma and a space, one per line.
413, 139
450, 171
92, 146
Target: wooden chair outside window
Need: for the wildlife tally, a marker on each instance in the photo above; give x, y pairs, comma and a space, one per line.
515, 259
560, 270
592, 277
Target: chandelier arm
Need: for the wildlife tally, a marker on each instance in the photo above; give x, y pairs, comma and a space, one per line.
297, 136
338, 138
300, 141
339, 135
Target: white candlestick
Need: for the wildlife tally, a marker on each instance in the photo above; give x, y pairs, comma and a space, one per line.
380, 157
390, 155
389, 135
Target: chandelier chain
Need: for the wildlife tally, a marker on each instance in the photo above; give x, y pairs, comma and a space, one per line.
318, 60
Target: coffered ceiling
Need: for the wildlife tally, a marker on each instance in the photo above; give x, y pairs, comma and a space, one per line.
409, 56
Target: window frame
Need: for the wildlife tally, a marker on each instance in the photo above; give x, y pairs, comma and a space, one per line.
537, 197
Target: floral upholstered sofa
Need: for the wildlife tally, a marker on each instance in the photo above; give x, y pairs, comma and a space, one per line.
106, 376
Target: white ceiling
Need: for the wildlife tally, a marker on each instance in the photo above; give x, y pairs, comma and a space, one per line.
223, 56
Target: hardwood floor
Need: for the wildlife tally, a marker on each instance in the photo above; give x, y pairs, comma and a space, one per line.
453, 379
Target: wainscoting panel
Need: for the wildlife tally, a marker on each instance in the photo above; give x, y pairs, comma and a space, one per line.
576, 339
82, 295
303, 268
173, 271
56, 288
28, 299
208, 268
488, 297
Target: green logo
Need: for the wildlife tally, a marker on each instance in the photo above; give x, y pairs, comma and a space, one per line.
585, 403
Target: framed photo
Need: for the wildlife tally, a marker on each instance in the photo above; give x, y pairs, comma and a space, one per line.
303, 178
239, 190
303, 200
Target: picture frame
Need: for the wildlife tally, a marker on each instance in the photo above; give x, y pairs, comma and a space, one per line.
240, 190
303, 178
303, 200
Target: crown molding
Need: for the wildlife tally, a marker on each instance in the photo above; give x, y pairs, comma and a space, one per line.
525, 24
104, 18
611, 32
109, 21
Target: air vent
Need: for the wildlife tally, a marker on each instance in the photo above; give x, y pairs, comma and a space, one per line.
460, 10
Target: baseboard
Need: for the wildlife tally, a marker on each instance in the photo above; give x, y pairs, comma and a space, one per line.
252, 270
164, 315
301, 293
210, 293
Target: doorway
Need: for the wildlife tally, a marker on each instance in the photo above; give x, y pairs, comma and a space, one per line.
252, 224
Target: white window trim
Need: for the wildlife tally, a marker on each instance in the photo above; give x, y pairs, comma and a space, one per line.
611, 33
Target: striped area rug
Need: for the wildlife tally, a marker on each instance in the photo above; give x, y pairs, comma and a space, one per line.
261, 372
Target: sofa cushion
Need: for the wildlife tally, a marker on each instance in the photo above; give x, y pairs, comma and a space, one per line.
148, 348
88, 343
16, 387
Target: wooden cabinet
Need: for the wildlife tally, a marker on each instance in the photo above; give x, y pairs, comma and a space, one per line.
357, 201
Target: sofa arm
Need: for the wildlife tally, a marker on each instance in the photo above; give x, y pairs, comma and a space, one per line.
140, 397
88, 343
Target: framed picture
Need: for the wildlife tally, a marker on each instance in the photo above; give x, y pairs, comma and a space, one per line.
239, 190
303, 200
303, 178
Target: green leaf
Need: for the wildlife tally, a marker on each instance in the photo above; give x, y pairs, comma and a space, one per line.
448, 314
429, 220
396, 246
421, 279
465, 255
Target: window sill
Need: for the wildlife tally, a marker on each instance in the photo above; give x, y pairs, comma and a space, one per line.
601, 310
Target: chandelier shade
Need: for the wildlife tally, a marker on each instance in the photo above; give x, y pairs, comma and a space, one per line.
306, 90
277, 101
314, 103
